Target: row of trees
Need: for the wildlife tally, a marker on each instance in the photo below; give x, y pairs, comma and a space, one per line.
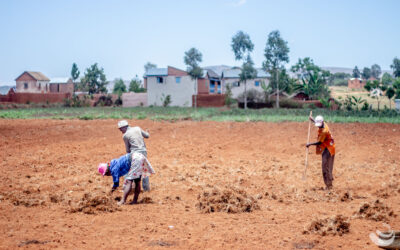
94, 81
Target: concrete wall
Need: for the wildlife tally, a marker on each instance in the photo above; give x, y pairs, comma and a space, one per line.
33, 86
181, 93
133, 99
236, 91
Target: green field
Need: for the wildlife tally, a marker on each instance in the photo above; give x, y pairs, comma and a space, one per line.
201, 114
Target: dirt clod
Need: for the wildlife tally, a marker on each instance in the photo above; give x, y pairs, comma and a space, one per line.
229, 200
376, 211
93, 203
337, 225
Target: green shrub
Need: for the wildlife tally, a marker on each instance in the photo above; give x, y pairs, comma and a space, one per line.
290, 104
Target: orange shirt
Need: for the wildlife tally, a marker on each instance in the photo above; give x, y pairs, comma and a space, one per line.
325, 137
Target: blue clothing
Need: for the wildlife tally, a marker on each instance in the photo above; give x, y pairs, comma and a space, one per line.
120, 167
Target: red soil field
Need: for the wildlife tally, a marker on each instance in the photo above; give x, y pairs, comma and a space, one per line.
51, 195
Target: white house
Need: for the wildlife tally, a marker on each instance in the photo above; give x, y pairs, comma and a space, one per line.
177, 83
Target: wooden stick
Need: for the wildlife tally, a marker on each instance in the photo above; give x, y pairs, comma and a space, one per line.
308, 141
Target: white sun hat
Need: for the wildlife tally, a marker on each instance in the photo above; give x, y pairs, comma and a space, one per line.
122, 124
318, 121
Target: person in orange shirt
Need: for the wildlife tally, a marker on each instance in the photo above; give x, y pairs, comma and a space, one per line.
326, 147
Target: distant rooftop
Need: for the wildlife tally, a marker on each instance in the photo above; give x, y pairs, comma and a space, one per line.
60, 79
157, 72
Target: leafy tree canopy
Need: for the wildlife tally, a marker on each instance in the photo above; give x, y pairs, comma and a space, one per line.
95, 80
366, 73
248, 71
136, 86
387, 79
241, 45
75, 72
306, 67
396, 67
376, 71
148, 66
356, 72
192, 59
276, 52
119, 87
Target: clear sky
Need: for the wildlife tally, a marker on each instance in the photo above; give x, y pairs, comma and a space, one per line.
121, 36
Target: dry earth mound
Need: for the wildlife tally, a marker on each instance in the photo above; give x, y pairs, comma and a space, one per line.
229, 200
93, 203
376, 211
337, 225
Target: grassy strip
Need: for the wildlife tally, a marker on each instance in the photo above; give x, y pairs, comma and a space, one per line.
201, 114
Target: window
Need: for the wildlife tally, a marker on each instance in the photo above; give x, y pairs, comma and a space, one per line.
178, 79
160, 80
25, 85
257, 83
236, 84
40, 85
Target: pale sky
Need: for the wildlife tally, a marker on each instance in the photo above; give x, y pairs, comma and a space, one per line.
122, 35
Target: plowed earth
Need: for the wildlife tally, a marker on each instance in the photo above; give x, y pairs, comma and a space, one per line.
218, 185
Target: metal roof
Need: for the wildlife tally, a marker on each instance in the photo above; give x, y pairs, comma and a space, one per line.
60, 79
234, 73
157, 72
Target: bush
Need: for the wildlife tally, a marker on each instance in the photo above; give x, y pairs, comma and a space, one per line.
118, 102
104, 101
252, 96
290, 104
77, 102
166, 100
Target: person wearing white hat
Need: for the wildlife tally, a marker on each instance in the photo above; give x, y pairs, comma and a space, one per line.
326, 147
134, 142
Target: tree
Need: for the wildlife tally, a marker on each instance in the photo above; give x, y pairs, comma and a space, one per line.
95, 80
338, 79
387, 79
356, 72
74, 72
390, 93
366, 73
136, 86
242, 46
376, 89
119, 87
376, 71
305, 67
148, 66
396, 67
276, 55
192, 59
248, 72
314, 86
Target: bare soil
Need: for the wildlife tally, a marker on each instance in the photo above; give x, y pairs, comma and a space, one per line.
218, 185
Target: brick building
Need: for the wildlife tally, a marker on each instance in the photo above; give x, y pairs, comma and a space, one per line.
356, 83
61, 85
32, 82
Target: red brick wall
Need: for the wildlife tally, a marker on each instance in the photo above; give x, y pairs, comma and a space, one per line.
176, 72
210, 100
37, 98
202, 86
355, 84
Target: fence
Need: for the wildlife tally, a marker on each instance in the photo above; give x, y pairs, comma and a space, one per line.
133, 99
34, 97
